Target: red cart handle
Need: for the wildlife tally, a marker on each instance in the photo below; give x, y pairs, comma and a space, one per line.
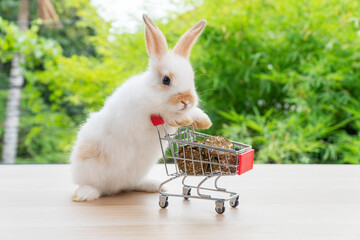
156, 120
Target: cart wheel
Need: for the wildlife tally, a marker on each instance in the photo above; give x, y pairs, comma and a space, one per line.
219, 207
186, 191
163, 201
164, 204
220, 210
234, 202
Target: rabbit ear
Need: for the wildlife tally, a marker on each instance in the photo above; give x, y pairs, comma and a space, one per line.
184, 45
155, 41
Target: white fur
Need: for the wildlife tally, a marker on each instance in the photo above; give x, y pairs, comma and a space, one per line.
122, 129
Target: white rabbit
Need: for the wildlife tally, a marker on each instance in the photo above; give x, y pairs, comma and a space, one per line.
118, 145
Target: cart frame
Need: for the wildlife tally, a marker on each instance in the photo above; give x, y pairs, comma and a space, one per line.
186, 136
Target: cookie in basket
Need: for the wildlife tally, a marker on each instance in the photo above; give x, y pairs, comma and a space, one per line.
214, 157
193, 166
217, 158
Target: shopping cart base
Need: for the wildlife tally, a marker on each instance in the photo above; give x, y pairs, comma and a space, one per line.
186, 194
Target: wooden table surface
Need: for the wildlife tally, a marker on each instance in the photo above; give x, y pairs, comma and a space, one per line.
276, 202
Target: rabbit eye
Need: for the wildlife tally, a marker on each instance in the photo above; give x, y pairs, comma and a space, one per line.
166, 80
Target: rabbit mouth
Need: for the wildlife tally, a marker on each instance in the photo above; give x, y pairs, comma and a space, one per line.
185, 105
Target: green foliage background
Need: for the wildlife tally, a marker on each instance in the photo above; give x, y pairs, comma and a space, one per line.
280, 75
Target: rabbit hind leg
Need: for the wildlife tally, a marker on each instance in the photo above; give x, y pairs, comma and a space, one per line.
85, 193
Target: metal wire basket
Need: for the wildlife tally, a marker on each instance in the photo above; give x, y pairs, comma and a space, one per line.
189, 155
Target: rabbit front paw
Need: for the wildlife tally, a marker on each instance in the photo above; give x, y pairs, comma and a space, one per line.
204, 123
200, 119
85, 193
180, 122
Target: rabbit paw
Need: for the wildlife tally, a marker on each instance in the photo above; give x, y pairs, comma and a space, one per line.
181, 122
149, 185
85, 193
201, 120
202, 123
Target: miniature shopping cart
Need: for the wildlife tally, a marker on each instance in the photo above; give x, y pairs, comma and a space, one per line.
193, 157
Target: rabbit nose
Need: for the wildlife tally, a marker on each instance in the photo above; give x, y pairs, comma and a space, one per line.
185, 104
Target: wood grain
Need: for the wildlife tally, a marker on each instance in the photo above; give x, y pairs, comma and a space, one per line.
276, 202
